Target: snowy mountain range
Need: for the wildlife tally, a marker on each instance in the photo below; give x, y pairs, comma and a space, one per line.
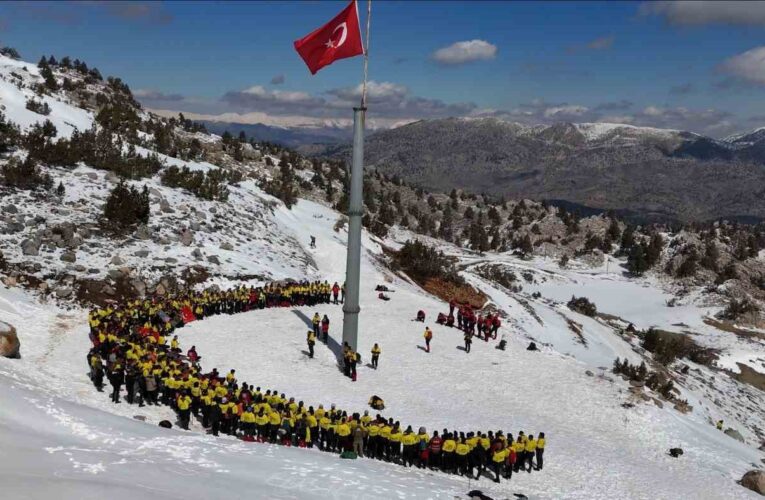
607, 437
643, 173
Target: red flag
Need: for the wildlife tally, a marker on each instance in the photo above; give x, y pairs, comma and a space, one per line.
187, 314
338, 39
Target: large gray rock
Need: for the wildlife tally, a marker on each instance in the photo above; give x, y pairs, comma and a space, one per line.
197, 254
63, 292
141, 253
117, 260
30, 247
164, 205
213, 259
68, 257
139, 286
9, 341
187, 237
734, 434
227, 246
10, 209
755, 481
143, 232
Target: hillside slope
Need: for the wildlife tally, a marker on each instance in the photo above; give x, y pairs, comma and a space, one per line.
648, 174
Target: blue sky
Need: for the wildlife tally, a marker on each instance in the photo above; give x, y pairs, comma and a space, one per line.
691, 65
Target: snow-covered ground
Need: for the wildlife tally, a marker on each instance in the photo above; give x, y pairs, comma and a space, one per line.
60, 427
60, 436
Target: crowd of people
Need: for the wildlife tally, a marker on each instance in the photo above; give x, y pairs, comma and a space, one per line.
130, 348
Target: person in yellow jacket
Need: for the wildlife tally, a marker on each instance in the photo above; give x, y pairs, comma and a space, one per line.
248, 422
428, 337
316, 323
461, 451
373, 440
375, 355
498, 457
274, 419
520, 452
531, 448
311, 340
261, 421
394, 442
343, 432
540, 450
447, 453
324, 423
409, 443
184, 409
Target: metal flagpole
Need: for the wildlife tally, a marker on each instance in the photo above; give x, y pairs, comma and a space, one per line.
355, 211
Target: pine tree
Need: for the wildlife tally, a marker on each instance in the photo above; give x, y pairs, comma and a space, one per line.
525, 246
636, 260
613, 230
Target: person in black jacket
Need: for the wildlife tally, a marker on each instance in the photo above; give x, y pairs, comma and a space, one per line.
214, 415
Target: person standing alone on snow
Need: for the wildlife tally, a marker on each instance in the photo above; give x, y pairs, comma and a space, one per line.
325, 328
335, 291
428, 337
316, 321
375, 355
468, 341
311, 339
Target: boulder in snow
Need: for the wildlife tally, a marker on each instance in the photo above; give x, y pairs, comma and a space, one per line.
30, 247
532, 347
227, 246
755, 481
9, 341
187, 237
68, 257
197, 253
734, 434
143, 232
213, 259
117, 260
141, 253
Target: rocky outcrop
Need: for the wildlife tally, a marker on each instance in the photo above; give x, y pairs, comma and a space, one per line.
9, 341
734, 434
755, 481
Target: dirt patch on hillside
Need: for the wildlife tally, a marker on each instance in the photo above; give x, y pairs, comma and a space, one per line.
750, 376
727, 327
462, 293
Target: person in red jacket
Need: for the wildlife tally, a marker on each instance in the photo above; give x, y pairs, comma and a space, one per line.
325, 328
496, 323
434, 451
192, 354
335, 291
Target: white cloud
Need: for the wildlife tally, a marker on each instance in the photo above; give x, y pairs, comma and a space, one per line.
277, 95
749, 66
155, 95
464, 52
567, 111
697, 13
375, 90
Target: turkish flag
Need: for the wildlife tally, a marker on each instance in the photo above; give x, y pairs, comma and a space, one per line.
338, 39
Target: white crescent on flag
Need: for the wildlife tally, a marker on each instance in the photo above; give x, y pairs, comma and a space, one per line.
343, 36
